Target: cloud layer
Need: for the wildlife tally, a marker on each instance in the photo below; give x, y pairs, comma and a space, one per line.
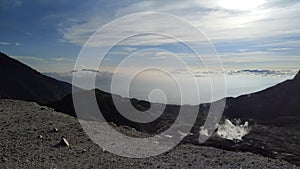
216, 19
238, 82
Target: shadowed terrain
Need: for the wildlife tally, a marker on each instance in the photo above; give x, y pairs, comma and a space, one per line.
22, 82
272, 113
279, 105
28, 140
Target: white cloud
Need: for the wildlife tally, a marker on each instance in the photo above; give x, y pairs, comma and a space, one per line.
263, 72
281, 42
28, 58
4, 43
78, 30
217, 21
130, 49
266, 58
57, 59
7, 43
280, 49
78, 34
61, 59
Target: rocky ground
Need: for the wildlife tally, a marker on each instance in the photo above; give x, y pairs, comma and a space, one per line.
30, 134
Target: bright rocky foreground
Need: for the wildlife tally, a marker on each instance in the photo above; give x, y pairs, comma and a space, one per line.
31, 138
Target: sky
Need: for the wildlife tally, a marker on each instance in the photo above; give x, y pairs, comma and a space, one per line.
257, 41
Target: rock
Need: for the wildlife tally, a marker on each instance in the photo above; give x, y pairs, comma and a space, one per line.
40, 137
63, 142
54, 129
156, 142
4, 159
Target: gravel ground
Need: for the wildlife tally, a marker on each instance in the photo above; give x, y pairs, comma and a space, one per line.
27, 140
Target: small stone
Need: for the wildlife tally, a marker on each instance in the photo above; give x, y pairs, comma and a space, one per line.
4, 159
63, 142
40, 137
54, 129
156, 142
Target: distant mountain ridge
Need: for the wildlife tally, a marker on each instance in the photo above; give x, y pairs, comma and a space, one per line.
271, 104
24, 83
19, 81
274, 113
279, 101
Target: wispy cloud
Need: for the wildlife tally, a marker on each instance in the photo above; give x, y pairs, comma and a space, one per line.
57, 59
28, 58
244, 32
218, 22
279, 49
46, 64
61, 59
130, 49
8, 43
4, 43
263, 72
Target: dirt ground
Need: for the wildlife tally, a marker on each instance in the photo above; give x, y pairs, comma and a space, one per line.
28, 140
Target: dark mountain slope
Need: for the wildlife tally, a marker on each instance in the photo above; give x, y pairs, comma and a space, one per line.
110, 112
19, 81
280, 101
275, 112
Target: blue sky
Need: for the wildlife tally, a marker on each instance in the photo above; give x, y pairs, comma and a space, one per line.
56, 30
252, 34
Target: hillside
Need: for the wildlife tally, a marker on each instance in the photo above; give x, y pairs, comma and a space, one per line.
22, 82
273, 115
29, 141
278, 105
